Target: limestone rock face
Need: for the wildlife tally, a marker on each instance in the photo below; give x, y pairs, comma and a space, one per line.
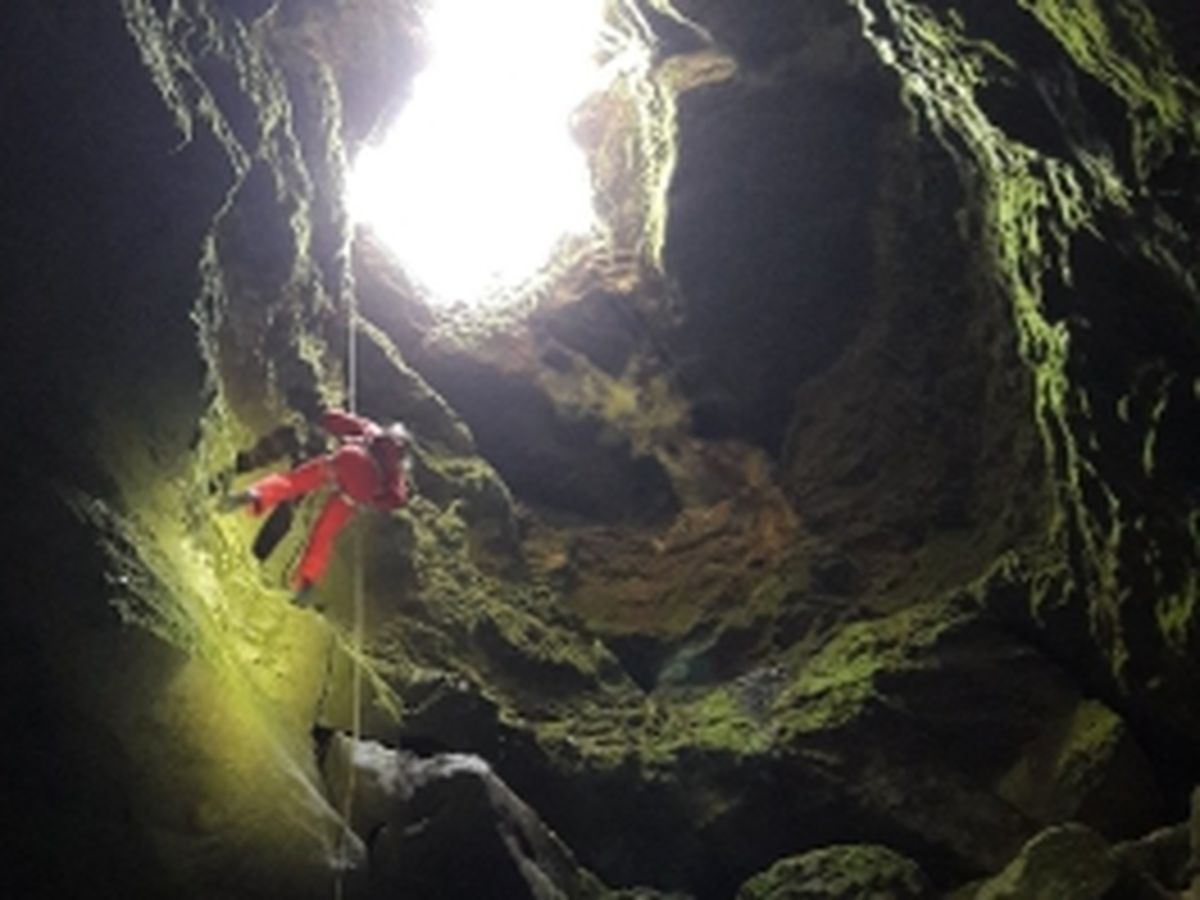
826, 522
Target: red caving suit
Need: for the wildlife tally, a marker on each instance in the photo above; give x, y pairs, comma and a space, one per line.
367, 469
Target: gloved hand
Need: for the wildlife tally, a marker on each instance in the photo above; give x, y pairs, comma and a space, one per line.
232, 502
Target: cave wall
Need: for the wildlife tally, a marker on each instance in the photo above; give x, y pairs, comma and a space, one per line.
1044, 204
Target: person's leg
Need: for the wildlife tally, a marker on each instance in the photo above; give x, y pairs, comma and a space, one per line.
330, 522
274, 489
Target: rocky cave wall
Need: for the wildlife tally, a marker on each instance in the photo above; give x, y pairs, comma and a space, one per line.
843, 531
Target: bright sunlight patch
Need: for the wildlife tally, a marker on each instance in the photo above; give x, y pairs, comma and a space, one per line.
479, 180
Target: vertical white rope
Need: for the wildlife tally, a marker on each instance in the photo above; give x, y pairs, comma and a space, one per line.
352, 353
356, 641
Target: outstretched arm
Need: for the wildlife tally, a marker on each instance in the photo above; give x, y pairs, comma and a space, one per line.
345, 425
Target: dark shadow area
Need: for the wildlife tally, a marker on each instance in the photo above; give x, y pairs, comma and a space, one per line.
770, 243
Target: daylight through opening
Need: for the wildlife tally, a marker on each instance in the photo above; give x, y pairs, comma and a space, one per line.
478, 181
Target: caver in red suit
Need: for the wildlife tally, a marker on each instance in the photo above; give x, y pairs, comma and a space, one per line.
368, 469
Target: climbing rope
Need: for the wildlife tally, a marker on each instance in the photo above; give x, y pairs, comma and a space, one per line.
356, 641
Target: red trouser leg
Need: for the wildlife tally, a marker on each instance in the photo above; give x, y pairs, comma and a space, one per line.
287, 485
333, 519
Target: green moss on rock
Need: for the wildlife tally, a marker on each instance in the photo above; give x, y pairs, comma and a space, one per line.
1068, 862
1122, 46
1086, 768
1038, 214
845, 872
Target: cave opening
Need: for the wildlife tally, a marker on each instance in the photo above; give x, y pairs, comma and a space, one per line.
477, 182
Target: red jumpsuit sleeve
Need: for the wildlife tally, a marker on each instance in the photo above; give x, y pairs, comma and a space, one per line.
346, 425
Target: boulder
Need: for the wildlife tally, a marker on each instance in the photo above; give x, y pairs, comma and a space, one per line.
1067, 862
446, 827
843, 872
1086, 767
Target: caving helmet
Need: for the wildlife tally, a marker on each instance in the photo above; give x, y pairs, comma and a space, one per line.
390, 445
399, 436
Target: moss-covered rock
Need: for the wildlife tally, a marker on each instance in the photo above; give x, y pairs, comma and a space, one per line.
848, 872
1089, 770
1067, 861
1161, 856
1038, 209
